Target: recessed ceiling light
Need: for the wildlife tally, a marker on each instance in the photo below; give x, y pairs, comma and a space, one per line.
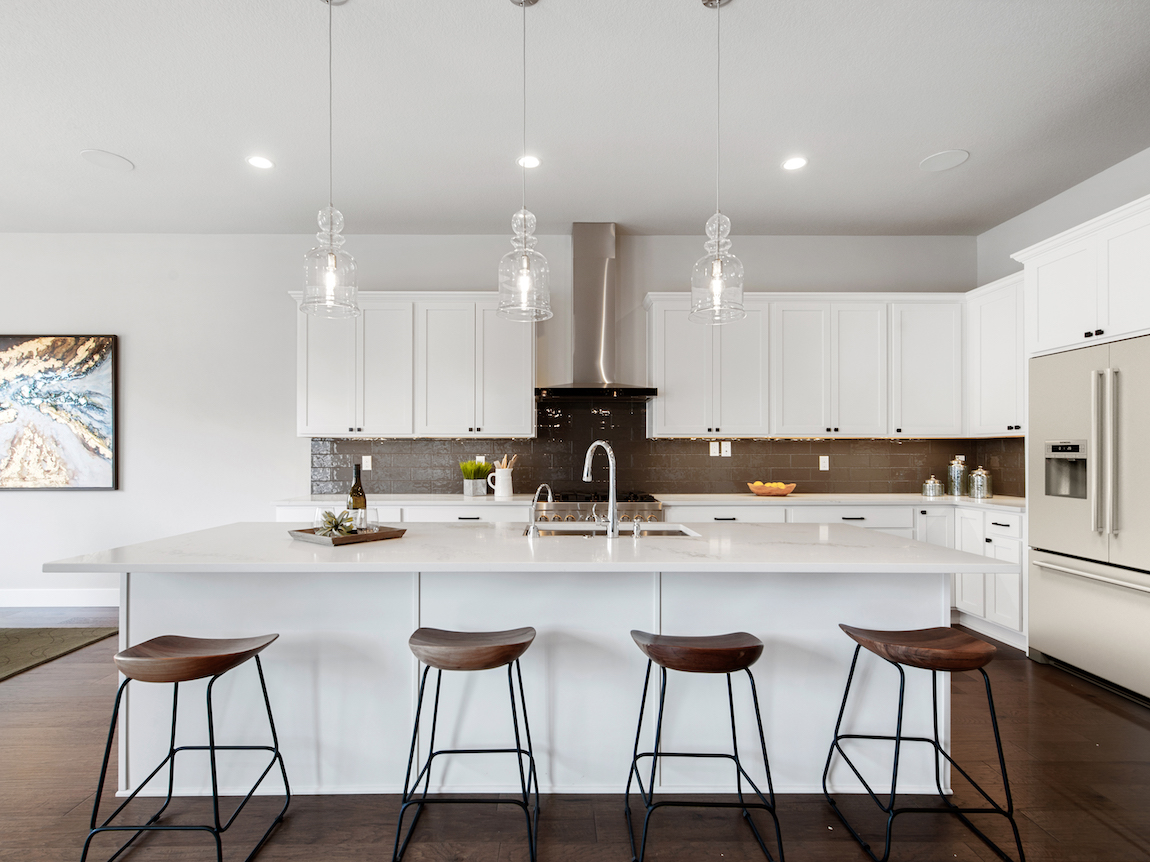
260, 162
793, 164
104, 159
944, 161
528, 162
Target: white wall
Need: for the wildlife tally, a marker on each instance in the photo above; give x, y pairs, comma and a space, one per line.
1126, 181
207, 377
784, 263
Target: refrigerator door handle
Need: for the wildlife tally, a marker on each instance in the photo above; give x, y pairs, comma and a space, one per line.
1064, 570
1094, 465
1111, 452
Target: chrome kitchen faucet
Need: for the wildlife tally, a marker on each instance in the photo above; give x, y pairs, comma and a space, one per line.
612, 504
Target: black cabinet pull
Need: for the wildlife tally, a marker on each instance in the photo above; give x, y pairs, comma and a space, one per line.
836, 429
996, 524
828, 429
470, 429
988, 541
1097, 331
725, 519
856, 518
710, 430
350, 429
922, 511
1086, 334
717, 429
477, 428
476, 518
898, 430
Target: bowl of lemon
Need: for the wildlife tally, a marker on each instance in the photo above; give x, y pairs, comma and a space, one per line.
770, 489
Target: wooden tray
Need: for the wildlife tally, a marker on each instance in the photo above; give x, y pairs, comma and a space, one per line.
764, 491
381, 533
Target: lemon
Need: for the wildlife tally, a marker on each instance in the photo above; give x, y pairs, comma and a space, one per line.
758, 483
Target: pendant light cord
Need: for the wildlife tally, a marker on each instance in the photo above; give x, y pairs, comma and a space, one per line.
718, 92
523, 154
330, 125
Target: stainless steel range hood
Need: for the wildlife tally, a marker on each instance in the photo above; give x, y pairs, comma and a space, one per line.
593, 326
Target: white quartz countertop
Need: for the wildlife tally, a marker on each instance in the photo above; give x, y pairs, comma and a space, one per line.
1007, 504
481, 547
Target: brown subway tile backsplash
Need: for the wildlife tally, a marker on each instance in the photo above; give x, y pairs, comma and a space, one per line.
659, 466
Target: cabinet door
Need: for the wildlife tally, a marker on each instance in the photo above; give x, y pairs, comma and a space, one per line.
994, 362
387, 368
1004, 590
935, 526
1126, 256
858, 365
445, 368
926, 369
1062, 297
800, 367
505, 376
970, 536
739, 403
326, 376
681, 368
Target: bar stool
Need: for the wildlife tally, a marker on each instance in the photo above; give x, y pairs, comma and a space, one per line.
726, 654
937, 649
469, 651
176, 659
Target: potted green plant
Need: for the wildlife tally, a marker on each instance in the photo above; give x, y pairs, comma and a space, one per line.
474, 477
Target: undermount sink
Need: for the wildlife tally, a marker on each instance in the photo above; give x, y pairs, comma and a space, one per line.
625, 531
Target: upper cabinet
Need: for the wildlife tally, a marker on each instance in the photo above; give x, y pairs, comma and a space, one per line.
474, 371
1089, 283
829, 368
426, 364
926, 369
712, 380
340, 390
995, 400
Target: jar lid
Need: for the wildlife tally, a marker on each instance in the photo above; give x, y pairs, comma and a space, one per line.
981, 471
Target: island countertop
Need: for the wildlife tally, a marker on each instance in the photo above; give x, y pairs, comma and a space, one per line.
495, 547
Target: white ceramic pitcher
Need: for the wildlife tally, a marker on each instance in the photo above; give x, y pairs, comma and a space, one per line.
500, 480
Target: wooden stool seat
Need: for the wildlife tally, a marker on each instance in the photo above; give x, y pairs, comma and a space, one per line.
448, 650
174, 658
712, 654
933, 649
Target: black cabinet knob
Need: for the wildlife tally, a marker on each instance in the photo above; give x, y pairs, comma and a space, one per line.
717, 429
836, 429
709, 430
828, 429
350, 429
1087, 334
470, 429
1097, 331
988, 541
478, 428
898, 430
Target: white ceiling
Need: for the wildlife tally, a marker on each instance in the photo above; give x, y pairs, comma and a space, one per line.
1044, 93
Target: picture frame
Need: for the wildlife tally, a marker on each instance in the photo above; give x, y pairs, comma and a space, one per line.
58, 412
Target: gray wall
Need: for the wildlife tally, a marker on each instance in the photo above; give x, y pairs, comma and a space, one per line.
1126, 181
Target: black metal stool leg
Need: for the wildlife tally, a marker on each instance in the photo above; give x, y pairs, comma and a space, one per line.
633, 772
524, 778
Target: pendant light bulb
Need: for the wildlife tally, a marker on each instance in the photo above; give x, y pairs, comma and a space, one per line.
524, 293
330, 279
717, 279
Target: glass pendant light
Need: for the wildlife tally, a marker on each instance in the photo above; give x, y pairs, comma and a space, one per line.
524, 294
330, 286
717, 280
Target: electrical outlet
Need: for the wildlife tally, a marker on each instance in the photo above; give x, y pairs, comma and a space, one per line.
366, 462
714, 448
824, 462
481, 459
726, 448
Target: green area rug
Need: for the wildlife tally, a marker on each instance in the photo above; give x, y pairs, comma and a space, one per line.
21, 649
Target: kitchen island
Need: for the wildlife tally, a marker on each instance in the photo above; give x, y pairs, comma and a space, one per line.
343, 682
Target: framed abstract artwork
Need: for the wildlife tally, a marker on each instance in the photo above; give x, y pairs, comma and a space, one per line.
58, 412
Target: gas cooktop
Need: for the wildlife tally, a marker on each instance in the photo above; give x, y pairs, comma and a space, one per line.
588, 506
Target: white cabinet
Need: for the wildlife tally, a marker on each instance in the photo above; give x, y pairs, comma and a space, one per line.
712, 380
995, 402
994, 597
926, 369
756, 514
520, 513
354, 376
1091, 282
474, 371
829, 368
935, 526
896, 520
969, 536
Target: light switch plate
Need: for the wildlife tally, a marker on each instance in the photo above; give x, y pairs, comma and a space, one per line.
726, 448
366, 462
714, 448
824, 462
481, 459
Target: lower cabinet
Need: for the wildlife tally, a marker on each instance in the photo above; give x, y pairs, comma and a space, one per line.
994, 597
896, 520
678, 514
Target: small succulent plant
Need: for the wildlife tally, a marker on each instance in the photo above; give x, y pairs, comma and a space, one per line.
335, 525
475, 469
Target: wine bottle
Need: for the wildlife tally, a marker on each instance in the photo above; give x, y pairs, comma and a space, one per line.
356, 499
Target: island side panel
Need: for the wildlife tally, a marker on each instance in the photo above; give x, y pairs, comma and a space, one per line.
583, 676
800, 677
339, 678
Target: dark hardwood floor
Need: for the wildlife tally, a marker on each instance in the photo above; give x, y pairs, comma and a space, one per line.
1079, 761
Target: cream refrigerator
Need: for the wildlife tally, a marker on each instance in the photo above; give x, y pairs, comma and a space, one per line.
1089, 505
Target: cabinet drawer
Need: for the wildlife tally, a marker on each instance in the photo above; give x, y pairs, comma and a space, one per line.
490, 514
767, 514
871, 517
998, 524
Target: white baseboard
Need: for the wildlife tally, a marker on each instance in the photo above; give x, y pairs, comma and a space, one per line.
101, 598
991, 630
